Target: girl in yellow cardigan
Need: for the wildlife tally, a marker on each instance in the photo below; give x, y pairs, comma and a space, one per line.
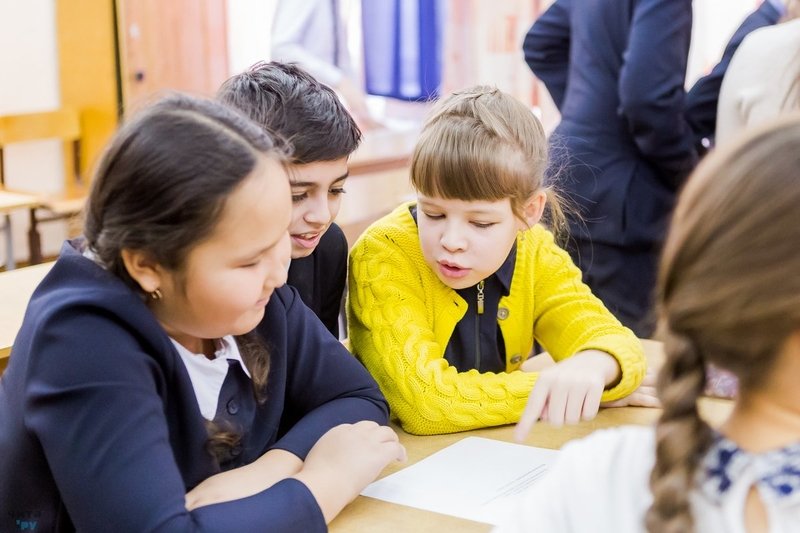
448, 294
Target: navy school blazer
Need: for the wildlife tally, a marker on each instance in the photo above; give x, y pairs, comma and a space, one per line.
320, 277
100, 428
616, 69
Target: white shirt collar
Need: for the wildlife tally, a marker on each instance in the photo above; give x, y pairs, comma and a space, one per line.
207, 375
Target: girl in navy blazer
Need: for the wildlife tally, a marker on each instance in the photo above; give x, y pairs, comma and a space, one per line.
163, 367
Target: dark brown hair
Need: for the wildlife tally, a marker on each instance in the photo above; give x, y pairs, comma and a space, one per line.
728, 294
289, 102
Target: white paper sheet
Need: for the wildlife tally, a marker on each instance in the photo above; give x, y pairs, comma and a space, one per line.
475, 478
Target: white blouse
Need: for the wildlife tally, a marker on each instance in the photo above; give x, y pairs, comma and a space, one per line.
208, 375
601, 484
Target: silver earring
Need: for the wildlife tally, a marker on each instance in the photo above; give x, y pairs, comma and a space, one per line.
156, 294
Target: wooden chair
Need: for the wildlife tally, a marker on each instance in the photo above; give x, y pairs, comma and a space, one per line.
10, 201
63, 124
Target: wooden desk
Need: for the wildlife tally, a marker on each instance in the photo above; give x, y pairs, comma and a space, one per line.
10, 201
16, 287
368, 514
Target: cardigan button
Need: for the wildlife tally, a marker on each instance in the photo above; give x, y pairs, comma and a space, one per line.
516, 359
502, 313
233, 407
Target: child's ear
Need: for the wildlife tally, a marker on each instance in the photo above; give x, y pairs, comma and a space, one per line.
533, 209
143, 268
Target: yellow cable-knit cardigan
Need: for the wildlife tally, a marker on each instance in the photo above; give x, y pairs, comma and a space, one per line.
401, 317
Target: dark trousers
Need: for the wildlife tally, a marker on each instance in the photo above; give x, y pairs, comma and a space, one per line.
623, 278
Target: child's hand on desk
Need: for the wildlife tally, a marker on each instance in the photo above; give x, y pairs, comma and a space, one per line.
569, 390
273, 466
644, 396
345, 460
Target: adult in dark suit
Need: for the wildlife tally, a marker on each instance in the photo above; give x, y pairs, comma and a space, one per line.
701, 101
616, 72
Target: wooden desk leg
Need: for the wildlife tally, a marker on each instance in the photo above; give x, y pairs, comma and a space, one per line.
34, 240
10, 264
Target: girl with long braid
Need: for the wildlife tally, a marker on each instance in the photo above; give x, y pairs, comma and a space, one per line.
729, 295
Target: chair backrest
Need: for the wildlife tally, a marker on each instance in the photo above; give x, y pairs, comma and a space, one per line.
63, 124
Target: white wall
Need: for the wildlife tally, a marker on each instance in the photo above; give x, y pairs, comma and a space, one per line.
28, 56
249, 23
29, 83
714, 23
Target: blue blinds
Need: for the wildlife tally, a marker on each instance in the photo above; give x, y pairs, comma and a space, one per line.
402, 48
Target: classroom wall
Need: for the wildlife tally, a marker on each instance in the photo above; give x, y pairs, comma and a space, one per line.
29, 70
714, 23
30, 82
87, 71
249, 23
30, 79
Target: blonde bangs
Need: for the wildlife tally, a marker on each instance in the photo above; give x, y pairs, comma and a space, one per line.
457, 158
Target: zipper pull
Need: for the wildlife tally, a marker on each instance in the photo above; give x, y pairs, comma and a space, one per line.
480, 297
